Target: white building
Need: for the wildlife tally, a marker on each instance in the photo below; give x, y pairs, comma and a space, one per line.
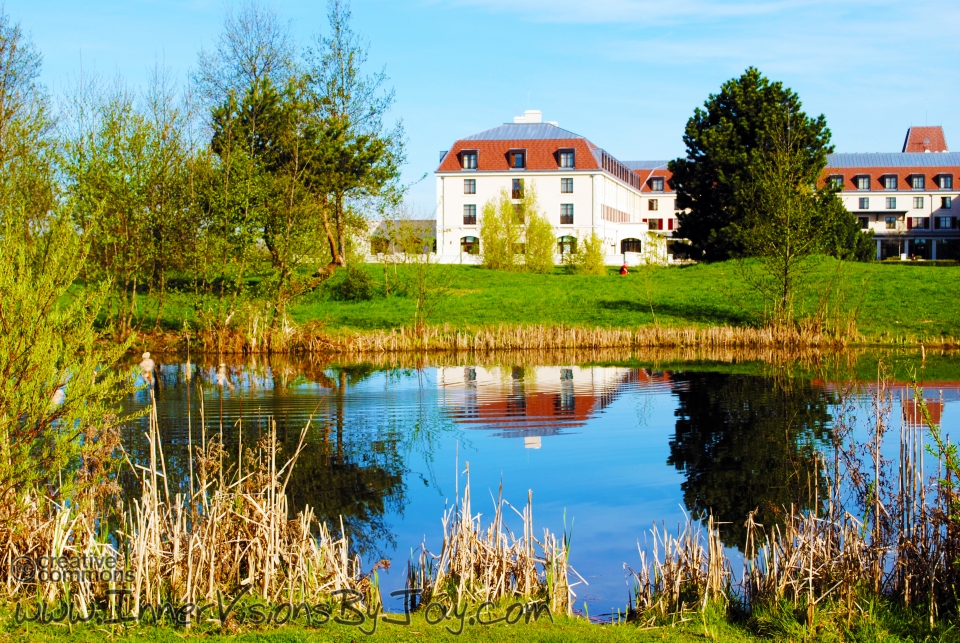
579, 187
906, 199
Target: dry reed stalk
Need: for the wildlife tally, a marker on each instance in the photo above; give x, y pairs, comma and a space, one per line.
692, 571
478, 564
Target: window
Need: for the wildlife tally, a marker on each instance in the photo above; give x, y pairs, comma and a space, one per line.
918, 203
889, 183
567, 245
652, 204
917, 223
566, 158
863, 182
517, 191
566, 186
945, 223
946, 202
676, 205
469, 186
864, 223
836, 181
631, 245
946, 181
656, 184
918, 182
517, 159
470, 245
891, 223
864, 203
566, 214
891, 203
518, 212
470, 215
468, 160
655, 224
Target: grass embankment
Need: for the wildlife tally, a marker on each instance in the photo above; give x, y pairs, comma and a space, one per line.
888, 304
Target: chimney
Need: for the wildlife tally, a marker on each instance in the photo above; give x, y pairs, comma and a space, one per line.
529, 116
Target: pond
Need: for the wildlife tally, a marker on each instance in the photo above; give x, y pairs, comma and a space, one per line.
608, 444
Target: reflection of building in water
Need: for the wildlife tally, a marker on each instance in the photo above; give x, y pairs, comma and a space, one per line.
532, 402
913, 415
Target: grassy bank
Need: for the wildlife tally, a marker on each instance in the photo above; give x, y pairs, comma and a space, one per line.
889, 304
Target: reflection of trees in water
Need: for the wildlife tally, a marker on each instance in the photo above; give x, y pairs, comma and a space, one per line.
747, 443
358, 487
356, 455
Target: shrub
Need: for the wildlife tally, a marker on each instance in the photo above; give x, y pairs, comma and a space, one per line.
588, 257
356, 285
539, 243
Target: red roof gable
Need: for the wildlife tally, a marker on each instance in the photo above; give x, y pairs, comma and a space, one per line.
850, 175
925, 139
541, 154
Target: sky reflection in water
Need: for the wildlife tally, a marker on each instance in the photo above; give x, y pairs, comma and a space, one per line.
609, 450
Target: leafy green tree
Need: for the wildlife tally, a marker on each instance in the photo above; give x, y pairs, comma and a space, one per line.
500, 233
28, 150
539, 240
60, 392
588, 259
728, 143
360, 172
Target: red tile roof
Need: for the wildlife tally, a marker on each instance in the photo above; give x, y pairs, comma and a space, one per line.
541, 154
925, 139
876, 174
646, 175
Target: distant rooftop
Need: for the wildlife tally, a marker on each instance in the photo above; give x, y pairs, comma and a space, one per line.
646, 165
522, 132
893, 159
925, 139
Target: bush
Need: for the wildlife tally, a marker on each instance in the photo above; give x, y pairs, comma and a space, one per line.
588, 258
355, 285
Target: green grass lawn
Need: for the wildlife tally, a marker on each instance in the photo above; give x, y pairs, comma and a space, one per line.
893, 302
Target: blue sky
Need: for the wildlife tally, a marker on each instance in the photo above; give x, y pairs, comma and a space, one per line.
625, 73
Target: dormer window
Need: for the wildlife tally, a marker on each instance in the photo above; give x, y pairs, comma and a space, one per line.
517, 159
567, 159
656, 184
918, 182
945, 181
889, 182
863, 182
836, 181
468, 159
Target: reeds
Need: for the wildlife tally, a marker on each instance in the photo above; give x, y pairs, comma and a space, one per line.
314, 338
887, 530
478, 564
691, 572
234, 535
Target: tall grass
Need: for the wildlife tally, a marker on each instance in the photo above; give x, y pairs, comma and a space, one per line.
886, 531
234, 534
479, 564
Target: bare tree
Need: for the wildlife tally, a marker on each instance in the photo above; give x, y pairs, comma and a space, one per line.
254, 46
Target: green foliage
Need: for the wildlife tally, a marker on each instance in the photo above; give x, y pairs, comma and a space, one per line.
588, 257
59, 395
500, 233
511, 228
540, 243
728, 144
356, 284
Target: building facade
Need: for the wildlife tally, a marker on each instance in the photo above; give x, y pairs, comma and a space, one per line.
905, 200
579, 187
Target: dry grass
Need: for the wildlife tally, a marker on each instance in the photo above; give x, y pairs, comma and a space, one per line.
234, 535
312, 338
887, 529
491, 564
